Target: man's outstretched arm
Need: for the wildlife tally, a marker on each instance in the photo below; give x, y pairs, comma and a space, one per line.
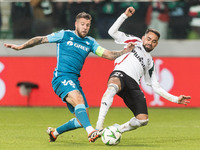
182, 99
30, 43
112, 55
114, 29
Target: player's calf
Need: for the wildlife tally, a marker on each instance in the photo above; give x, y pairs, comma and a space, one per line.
138, 123
133, 124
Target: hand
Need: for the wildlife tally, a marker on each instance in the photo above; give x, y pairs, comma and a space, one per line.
129, 11
97, 1
182, 99
13, 46
130, 46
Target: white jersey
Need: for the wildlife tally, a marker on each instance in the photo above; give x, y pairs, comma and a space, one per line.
137, 63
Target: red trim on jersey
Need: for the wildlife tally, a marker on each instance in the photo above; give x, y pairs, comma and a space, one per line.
193, 14
122, 60
135, 40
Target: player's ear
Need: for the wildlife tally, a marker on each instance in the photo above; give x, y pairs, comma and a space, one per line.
143, 38
75, 23
156, 43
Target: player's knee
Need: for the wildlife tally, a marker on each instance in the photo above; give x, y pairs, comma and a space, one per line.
114, 86
110, 92
75, 98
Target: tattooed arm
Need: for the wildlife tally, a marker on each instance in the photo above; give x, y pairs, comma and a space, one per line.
111, 55
30, 43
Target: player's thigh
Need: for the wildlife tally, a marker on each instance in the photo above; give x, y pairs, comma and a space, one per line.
63, 85
69, 90
136, 102
72, 102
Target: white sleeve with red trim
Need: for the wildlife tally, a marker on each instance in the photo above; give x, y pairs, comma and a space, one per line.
160, 91
119, 36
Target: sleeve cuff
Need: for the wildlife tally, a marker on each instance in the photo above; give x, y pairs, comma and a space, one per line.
176, 100
124, 16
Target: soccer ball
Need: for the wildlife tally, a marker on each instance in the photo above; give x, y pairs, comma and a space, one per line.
111, 136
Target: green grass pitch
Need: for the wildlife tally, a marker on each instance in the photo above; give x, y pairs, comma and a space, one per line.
23, 128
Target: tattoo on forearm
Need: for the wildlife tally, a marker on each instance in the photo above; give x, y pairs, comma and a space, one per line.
34, 41
117, 54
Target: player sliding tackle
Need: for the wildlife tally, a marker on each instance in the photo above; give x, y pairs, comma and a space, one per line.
125, 78
72, 49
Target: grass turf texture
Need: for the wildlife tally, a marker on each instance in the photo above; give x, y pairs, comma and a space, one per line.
24, 128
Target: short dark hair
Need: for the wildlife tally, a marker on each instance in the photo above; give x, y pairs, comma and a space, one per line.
154, 31
84, 15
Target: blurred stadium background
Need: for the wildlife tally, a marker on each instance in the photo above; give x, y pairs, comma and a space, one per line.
25, 76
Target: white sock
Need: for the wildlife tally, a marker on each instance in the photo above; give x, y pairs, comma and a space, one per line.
106, 102
89, 129
133, 124
130, 125
55, 133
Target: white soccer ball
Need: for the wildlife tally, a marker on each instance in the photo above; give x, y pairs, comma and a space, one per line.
111, 135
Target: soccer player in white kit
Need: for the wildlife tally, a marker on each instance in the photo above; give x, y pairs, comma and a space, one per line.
125, 78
